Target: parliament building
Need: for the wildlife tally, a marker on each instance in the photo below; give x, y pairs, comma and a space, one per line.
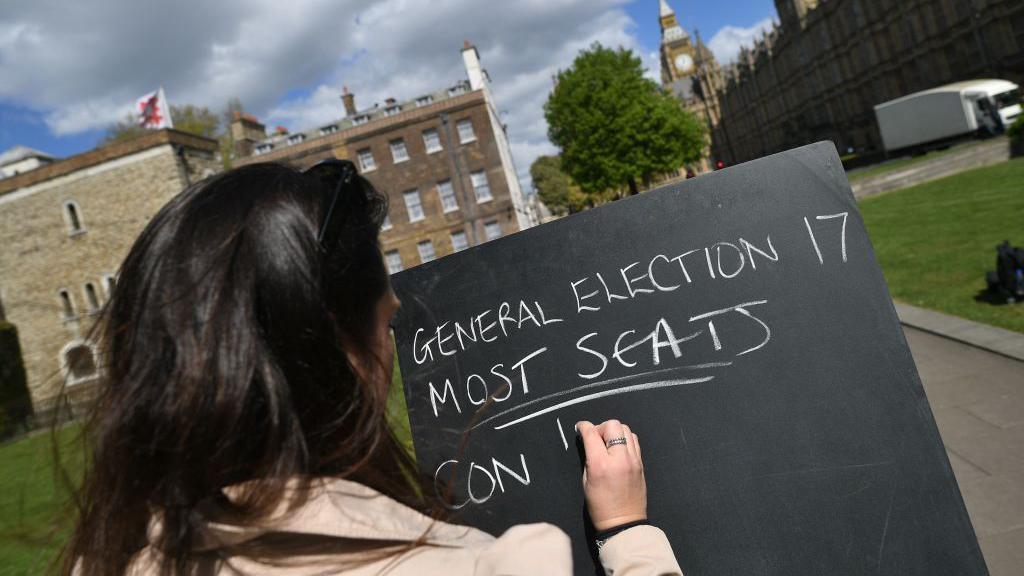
818, 74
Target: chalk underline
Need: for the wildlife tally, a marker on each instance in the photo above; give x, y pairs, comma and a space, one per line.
595, 395
597, 385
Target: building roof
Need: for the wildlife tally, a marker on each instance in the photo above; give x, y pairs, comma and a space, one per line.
665, 9
361, 117
106, 153
18, 153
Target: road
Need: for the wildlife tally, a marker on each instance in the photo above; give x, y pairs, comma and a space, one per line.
962, 157
978, 401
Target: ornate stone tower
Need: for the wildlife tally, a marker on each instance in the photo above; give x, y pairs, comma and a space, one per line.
678, 56
690, 72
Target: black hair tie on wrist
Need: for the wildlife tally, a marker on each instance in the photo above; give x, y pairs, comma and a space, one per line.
602, 537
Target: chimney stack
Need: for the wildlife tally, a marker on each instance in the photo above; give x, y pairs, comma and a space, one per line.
350, 101
471, 58
390, 102
246, 130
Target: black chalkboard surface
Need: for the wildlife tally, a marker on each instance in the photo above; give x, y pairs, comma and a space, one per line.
739, 323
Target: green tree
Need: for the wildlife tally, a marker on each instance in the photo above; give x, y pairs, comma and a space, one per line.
227, 139
556, 189
198, 120
188, 118
615, 127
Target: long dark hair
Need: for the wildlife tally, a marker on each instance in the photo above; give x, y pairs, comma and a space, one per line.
224, 348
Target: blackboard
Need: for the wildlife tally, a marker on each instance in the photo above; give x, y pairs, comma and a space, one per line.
740, 324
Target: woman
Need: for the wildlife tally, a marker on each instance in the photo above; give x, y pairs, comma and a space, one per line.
241, 423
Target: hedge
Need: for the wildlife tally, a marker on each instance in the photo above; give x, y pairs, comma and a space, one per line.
15, 402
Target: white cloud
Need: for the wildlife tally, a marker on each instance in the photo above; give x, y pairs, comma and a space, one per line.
82, 64
726, 43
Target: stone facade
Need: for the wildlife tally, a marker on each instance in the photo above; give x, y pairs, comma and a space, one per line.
64, 230
468, 162
821, 71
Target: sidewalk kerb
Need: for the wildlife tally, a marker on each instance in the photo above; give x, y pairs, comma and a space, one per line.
989, 338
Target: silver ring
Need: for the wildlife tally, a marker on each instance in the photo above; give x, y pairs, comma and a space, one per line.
616, 442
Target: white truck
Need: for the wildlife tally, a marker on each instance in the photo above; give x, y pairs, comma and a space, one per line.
982, 107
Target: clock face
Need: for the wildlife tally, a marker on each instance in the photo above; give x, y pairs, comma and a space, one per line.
684, 63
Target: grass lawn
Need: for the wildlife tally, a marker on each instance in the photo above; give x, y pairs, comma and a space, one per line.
32, 523
935, 241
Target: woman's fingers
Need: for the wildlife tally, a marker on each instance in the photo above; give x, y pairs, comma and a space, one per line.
630, 442
612, 430
593, 444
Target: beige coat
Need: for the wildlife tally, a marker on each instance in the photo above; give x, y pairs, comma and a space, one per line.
344, 522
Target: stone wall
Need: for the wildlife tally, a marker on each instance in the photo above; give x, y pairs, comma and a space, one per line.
40, 255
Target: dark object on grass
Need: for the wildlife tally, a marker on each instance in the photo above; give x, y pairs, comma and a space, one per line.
1007, 281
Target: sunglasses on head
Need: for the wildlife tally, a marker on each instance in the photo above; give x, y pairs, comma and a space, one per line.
339, 176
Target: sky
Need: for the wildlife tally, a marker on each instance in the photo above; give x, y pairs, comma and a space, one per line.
70, 69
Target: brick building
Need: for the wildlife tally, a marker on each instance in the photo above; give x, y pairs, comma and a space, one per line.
443, 160
65, 227
818, 74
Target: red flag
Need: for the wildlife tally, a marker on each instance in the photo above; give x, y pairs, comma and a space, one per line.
152, 111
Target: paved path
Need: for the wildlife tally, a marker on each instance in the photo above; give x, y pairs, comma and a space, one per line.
963, 157
978, 401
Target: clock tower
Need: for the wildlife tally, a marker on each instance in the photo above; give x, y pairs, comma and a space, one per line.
690, 72
678, 55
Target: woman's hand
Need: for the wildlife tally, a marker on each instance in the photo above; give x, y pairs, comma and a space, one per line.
613, 479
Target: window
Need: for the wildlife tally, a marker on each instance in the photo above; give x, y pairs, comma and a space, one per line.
492, 230
394, 260
264, 148
73, 218
459, 241
465, 131
424, 100
431, 140
296, 138
109, 283
328, 129
480, 186
447, 195
426, 250
456, 90
386, 225
413, 205
361, 119
398, 151
392, 110
67, 308
366, 161
79, 362
92, 299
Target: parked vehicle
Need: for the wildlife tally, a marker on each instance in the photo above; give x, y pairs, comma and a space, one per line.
973, 107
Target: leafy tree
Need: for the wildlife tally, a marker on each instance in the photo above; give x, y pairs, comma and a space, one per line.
227, 139
555, 188
615, 126
188, 118
198, 120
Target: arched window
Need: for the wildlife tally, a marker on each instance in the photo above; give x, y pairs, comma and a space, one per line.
67, 308
74, 218
79, 362
109, 282
92, 299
